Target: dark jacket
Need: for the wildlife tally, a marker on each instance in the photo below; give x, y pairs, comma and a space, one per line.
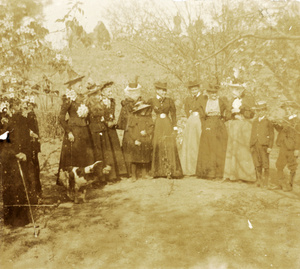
164, 106
223, 108
262, 132
192, 104
70, 107
289, 135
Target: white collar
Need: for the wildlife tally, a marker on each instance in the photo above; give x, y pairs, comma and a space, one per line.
292, 116
158, 97
261, 118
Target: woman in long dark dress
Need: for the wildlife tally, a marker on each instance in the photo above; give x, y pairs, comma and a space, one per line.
104, 135
35, 143
77, 147
17, 168
213, 141
165, 158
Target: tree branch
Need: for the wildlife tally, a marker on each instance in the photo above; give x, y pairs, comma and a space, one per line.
283, 37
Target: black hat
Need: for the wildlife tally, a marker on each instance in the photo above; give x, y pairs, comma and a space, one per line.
160, 85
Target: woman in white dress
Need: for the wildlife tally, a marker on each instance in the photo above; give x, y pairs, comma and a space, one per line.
192, 131
238, 162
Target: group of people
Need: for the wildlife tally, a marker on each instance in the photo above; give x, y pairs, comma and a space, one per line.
223, 139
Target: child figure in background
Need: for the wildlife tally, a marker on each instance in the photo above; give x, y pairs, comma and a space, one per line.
261, 143
288, 141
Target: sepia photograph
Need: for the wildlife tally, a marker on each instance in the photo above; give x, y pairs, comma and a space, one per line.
149, 134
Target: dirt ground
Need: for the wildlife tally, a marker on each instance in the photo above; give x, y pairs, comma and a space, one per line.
158, 223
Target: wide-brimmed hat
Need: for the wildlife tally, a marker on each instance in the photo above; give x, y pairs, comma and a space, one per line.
100, 88
74, 81
260, 105
140, 106
160, 85
193, 83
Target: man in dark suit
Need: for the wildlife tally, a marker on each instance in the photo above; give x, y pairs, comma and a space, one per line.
288, 141
261, 143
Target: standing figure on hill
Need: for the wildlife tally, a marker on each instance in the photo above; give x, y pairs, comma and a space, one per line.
261, 143
165, 158
213, 141
77, 147
17, 169
238, 162
104, 135
192, 131
288, 140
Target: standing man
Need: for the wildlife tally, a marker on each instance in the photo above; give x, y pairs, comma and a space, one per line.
288, 141
261, 143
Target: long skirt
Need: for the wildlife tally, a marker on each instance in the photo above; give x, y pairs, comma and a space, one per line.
212, 149
78, 153
190, 145
239, 163
165, 158
16, 206
107, 149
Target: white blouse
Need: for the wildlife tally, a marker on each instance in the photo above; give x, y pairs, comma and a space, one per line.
212, 108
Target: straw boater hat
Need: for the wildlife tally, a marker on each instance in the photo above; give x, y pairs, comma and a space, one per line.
193, 83
160, 85
140, 106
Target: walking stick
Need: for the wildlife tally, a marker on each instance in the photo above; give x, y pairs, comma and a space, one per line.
27, 196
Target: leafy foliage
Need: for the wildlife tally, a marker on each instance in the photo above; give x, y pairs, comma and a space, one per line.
254, 42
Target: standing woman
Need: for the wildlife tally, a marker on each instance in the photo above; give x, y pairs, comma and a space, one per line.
104, 135
139, 142
132, 98
15, 158
239, 163
35, 142
165, 158
77, 142
192, 131
213, 142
